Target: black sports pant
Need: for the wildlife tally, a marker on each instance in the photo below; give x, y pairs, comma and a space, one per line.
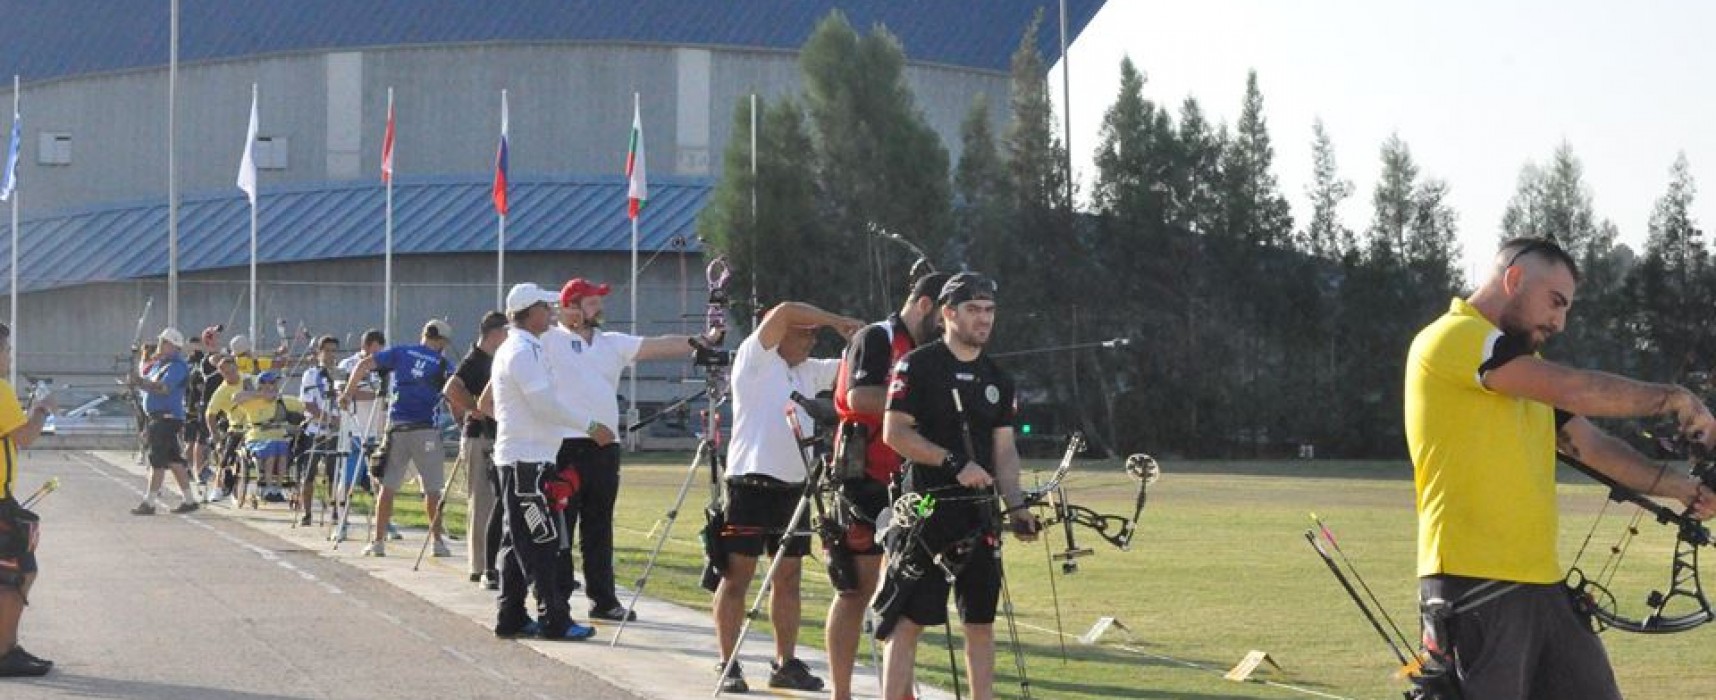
525, 562
593, 510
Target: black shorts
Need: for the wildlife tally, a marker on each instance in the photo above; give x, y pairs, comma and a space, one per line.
196, 431
163, 440
757, 511
1529, 643
861, 501
976, 589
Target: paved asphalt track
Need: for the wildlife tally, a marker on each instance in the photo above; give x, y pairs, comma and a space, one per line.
198, 606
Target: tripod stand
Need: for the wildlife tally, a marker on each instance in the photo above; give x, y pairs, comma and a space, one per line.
708, 447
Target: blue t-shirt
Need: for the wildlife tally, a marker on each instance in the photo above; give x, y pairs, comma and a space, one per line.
418, 374
175, 374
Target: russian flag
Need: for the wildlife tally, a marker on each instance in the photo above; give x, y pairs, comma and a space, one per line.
500, 163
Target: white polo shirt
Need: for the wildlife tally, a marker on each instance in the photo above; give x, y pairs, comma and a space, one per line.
587, 374
366, 419
763, 384
312, 390
528, 409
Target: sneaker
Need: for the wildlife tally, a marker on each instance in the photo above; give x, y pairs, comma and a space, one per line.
186, 507
439, 548
615, 613
274, 496
734, 681
530, 628
793, 675
574, 633
18, 663
491, 580
393, 533
304, 521
376, 548
144, 508
476, 578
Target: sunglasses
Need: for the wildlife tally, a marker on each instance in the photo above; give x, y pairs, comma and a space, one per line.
1539, 245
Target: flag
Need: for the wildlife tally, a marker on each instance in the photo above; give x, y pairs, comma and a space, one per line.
387, 143
637, 186
247, 165
500, 163
12, 148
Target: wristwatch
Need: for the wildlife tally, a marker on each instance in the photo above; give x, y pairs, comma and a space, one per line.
952, 461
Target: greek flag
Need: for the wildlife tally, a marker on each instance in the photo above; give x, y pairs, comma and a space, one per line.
12, 148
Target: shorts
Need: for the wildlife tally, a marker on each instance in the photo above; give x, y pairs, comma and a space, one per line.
419, 448
162, 435
266, 449
196, 431
1528, 644
757, 511
861, 501
977, 582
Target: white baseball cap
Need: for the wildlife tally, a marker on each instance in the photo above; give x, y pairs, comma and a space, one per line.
526, 295
172, 335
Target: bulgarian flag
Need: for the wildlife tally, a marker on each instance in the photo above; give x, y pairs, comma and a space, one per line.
637, 185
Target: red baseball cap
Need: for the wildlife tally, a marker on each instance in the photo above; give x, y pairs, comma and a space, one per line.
578, 288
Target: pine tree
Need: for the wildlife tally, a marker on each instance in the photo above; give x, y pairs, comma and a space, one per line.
980, 184
1325, 236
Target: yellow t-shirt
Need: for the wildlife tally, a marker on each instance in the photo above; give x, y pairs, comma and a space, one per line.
222, 401
1483, 462
263, 420
11, 418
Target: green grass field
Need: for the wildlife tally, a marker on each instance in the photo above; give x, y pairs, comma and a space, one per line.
1219, 567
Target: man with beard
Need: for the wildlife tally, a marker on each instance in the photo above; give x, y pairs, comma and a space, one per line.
1485, 416
861, 397
587, 364
962, 454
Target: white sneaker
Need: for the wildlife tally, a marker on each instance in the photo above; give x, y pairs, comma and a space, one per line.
218, 494
376, 548
439, 547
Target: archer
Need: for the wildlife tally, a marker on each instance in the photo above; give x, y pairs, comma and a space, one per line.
1485, 417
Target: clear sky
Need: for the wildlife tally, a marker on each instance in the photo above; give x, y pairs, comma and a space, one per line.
1476, 89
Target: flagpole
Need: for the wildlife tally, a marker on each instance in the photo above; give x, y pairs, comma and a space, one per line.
500, 247
173, 172
387, 257
254, 338
753, 224
632, 369
12, 353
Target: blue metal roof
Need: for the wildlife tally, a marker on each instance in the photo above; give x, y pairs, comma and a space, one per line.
45, 40
346, 220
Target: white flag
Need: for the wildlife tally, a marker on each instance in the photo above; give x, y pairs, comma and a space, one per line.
247, 166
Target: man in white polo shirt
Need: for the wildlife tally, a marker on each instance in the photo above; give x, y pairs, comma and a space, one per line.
766, 478
587, 364
530, 416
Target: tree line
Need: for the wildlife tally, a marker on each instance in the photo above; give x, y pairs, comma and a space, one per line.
1252, 334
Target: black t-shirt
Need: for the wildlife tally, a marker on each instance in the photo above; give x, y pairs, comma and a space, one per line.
200, 384
922, 386
871, 356
473, 372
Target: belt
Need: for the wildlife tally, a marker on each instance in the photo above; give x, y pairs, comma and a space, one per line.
162, 415
408, 427
763, 482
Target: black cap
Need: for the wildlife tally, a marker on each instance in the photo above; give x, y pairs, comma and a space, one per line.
929, 286
967, 286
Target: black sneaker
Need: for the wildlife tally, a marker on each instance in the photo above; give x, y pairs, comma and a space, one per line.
530, 628
615, 613
734, 681
793, 675
18, 663
143, 508
186, 507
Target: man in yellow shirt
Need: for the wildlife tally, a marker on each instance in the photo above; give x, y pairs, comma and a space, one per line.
17, 526
219, 411
1485, 416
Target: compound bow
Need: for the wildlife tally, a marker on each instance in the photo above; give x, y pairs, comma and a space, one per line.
1117, 530
1665, 615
